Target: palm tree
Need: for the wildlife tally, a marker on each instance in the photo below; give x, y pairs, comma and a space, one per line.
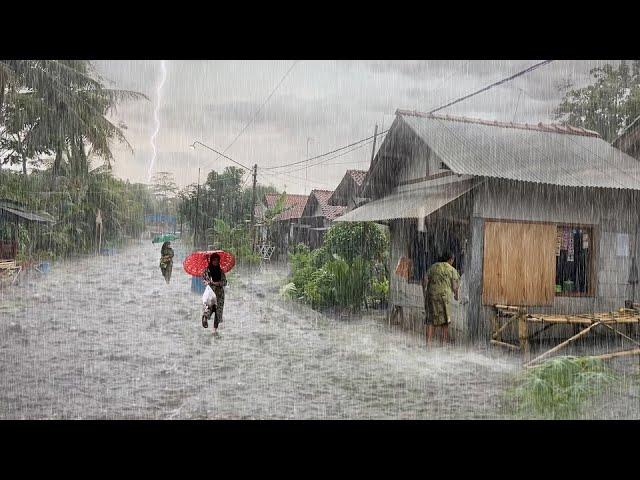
68, 111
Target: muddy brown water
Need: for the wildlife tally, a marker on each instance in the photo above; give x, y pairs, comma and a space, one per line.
106, 338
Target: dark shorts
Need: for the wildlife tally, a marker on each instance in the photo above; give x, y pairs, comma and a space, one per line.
437, 310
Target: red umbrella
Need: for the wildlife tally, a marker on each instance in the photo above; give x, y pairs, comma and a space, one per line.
197, 262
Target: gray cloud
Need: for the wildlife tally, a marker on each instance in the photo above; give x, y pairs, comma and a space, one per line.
332, 102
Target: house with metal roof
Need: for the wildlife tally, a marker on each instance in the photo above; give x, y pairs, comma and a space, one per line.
540, 216
629, 139
347, 193
317, 217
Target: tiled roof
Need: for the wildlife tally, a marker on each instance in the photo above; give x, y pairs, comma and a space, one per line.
357, 175
293, 204
330, 212
271, 199
322, 195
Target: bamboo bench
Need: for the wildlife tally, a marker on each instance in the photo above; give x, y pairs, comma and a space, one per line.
508, 315
11, 268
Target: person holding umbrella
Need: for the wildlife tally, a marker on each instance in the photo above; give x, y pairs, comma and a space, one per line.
166, 260
214, 276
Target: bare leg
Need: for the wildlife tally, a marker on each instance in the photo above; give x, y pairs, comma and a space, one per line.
429, 334
445, 333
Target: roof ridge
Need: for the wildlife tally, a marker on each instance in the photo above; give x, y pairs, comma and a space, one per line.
541, 127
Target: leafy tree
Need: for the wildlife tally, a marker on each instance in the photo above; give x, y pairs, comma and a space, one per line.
608, 105
67, 112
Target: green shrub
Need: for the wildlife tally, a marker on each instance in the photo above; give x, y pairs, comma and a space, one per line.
289, 291
351, 280
558, 388
319, 290
319, 257
380, 289
352, 239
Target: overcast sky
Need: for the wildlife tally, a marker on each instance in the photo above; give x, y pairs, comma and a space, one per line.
332, 102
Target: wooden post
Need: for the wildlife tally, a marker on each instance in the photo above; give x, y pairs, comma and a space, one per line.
373, 150
522, 335
253, 206
563, 344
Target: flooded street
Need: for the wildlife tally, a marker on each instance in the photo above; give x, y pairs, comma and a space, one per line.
105, 338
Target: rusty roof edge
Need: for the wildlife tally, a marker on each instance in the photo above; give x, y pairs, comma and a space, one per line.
540, 127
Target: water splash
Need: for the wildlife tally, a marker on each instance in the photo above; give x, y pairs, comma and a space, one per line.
163, 67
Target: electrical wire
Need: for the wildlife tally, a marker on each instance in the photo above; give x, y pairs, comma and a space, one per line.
259, 110
328, 159
327, 153
500, 82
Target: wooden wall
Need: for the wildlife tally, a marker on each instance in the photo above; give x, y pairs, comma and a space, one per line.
519, 263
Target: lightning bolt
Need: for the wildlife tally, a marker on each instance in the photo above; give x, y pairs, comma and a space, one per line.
163, 67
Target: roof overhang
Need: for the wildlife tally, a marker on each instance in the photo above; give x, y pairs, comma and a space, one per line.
31, 216
416, 203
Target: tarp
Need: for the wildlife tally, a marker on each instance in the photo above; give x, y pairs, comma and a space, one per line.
416, 203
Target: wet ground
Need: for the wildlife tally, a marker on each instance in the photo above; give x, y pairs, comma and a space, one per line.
106, 338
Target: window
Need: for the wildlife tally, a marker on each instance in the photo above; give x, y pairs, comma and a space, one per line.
574, 265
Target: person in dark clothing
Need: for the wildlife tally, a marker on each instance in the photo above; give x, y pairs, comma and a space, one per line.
166, 260
216, 279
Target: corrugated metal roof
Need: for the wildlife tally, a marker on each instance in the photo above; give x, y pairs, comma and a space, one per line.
417, 202
41, 217
532, 153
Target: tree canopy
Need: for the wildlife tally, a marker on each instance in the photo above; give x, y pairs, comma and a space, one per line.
606, 106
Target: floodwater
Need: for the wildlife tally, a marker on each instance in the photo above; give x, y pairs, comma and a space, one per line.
105, 338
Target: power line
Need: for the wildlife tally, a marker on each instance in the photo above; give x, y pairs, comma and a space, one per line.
221, 154
325, 154
259, 108
531, 68
330, 158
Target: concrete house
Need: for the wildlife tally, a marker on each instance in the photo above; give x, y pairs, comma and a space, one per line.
542, 216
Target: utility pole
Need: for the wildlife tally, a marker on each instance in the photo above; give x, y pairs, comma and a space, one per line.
373, 150
195, 227
253, 208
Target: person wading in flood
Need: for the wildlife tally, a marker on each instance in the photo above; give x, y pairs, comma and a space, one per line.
216, 279
438, 283
166, 260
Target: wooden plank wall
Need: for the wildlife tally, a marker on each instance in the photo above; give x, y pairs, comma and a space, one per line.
519, 263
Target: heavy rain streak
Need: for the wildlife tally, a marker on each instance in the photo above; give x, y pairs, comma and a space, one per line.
319, 239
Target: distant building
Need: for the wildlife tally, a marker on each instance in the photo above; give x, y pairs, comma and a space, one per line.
316, 218
279, 231
347, 193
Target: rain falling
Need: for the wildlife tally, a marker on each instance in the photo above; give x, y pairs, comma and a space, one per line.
313, 239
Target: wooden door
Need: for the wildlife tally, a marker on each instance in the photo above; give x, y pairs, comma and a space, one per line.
519, 263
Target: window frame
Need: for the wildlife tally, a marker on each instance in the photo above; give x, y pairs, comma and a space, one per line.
591, 266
